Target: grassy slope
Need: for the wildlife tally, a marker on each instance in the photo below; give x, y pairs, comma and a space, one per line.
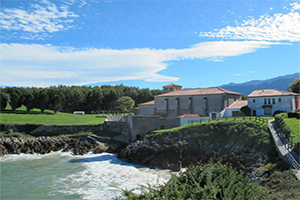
48, 118
214, 121
294, 124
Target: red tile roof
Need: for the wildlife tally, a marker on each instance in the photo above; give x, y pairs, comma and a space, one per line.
172, 84
199, 91
238, 104
271, 92
147, 103
191, 116
159, 114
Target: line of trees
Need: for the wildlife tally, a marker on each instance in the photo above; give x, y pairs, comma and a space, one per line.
71, 98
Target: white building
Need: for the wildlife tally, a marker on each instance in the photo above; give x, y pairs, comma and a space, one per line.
234, 109
266, 102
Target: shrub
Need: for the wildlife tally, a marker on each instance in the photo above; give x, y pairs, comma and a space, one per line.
279, 119
204, 181
277, 112
246, 110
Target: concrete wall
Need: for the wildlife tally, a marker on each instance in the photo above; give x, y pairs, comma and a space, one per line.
286, 104
201, 104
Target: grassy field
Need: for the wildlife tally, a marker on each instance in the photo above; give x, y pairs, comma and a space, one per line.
48, 118
294, 124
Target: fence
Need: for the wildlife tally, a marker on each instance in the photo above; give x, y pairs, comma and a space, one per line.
283, 148
257, 120
117, 118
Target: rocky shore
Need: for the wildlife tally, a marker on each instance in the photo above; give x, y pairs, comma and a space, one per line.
80, 145
246, 147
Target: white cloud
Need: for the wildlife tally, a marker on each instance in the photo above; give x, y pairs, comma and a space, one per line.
278, 27
45, 65
38, 18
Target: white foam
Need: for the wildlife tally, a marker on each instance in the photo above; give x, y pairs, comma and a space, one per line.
35, 156
105, 176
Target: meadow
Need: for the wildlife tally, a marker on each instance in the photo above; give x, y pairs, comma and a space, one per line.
48, 118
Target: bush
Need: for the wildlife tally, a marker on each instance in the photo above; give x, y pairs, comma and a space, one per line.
246, 110
293, 115
279, 119
277, 112
204, 181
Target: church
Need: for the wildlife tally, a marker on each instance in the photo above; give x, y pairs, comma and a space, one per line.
175, 102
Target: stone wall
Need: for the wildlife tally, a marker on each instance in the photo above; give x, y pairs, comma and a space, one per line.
117, 127
141, 125
198, 104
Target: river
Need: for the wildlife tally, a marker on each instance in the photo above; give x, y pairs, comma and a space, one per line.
60, 175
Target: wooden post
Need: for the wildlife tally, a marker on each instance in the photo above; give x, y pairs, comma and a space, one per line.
200, 121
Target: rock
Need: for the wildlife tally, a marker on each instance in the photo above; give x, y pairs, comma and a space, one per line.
80, 145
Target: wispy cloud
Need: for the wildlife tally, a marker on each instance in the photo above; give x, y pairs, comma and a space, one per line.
45, 65
38, 19
279, 27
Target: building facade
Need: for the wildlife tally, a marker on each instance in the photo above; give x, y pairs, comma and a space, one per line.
204, 101
266, 102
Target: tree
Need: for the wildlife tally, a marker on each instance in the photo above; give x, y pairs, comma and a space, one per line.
28, 99
246, 110
124, 104
42, 100
110, 96
15, 98
295, 86
4, 99
94, 99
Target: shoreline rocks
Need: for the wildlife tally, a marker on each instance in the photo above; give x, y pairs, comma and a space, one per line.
80, 145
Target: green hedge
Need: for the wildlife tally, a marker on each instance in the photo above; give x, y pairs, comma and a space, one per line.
279, 119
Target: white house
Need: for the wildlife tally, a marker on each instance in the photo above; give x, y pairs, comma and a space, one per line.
234, 109
266, 102
192, 118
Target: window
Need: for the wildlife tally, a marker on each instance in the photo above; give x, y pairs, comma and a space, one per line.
265, 101
279, 100
269, 101
253, 100
273, 101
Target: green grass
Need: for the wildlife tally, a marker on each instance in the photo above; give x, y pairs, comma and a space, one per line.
294, 124
216, 121
48, 118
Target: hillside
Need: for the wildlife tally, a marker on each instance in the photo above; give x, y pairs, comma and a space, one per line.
280, 83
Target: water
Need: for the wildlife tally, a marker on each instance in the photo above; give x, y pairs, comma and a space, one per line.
63, 176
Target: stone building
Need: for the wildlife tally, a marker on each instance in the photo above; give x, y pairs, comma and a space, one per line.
177, 102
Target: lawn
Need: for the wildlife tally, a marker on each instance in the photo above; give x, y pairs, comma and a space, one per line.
48, 118
254, 119
294, 124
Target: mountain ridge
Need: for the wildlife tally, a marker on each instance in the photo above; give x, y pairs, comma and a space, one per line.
279, 83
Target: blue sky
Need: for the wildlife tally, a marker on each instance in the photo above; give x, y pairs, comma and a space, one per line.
147, 43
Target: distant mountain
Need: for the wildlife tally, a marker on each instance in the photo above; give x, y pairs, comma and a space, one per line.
280, 83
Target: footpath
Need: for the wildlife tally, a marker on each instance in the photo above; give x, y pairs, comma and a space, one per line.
283, 148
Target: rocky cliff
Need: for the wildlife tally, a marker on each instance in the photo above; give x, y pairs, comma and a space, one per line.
243, 144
